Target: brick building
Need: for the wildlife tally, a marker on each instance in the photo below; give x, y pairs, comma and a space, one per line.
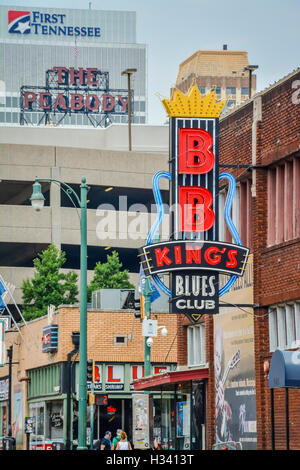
224, 70
261, 312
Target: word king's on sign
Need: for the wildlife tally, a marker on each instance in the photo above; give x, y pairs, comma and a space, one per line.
194, 256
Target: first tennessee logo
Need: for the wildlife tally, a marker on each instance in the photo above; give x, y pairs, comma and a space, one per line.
19, 22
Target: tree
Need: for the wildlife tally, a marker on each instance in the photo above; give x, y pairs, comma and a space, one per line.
49, 285
109, 275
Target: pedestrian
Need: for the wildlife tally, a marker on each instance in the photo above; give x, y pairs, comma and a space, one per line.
106, 441
123, 443
116, 439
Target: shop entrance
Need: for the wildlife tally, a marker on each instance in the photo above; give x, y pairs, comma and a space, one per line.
116, 415
179, 416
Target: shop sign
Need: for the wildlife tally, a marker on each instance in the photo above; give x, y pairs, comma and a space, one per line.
47, 24
114, 377
50, 338
194, 256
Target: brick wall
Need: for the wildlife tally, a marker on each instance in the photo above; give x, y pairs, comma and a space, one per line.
277, 268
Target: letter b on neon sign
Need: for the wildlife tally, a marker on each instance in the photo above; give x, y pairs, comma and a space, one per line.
195, 158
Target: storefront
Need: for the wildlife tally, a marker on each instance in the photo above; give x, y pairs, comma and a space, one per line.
179, 408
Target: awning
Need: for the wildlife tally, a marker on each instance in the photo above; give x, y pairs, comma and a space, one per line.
166, 379
284, 369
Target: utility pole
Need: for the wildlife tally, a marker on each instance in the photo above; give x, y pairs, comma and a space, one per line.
147, 296
250, 69
129, 72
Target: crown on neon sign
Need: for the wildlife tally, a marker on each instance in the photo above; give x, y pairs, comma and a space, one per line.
193, 104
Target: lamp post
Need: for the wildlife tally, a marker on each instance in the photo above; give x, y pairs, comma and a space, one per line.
147, 297
129, 72
37, 201
250, 69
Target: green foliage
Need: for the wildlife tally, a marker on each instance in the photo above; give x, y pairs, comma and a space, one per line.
49, 285
109, 275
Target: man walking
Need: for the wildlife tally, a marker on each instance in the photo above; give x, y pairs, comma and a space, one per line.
106, 441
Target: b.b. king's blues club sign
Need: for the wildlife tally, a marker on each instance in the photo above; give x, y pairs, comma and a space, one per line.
194, 257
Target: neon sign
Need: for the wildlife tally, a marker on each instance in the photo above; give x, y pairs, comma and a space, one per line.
194, 256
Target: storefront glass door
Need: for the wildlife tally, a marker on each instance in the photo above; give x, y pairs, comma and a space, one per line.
183, 416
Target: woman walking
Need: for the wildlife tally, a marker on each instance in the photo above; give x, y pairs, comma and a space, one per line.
123, 444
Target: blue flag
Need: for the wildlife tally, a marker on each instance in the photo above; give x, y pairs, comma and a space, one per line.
155, 292
2, 291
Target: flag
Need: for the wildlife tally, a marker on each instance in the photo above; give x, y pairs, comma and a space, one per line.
3, 291
155, 292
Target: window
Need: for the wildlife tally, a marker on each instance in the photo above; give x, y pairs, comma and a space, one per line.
240, 213
284, 202
202, 90
245, 91
196, 345
284, 326
218, 90
120, 340
230, 103
230, 90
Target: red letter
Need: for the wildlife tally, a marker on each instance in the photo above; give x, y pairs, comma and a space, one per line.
212, 260
161, 256
108, 106
193, 254
77, 102
29, 97
59, 71
43, 97
195, 154
74, 74
123, 102
60, 102
88, 100
91, 76
110, 377
196, 212
177, 252
232, 263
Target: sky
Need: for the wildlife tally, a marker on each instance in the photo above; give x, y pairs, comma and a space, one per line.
174, 29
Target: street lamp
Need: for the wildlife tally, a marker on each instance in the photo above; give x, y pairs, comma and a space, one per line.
37, 201
250, 69
129, 72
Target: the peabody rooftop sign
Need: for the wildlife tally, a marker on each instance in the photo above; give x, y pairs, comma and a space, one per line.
194, 256
72, 91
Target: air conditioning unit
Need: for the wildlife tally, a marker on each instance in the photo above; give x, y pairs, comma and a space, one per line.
109, 299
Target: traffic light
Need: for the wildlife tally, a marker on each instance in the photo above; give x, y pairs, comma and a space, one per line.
139, 307
142, 307
89, 370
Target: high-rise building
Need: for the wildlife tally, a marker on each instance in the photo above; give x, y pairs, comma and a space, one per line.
37, 43
225, 71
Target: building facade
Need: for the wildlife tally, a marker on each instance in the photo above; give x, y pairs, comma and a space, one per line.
120, 195
35, 41
39, 386
229, 354
222, 70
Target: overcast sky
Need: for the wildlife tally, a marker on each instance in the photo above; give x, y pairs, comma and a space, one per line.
175, 29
